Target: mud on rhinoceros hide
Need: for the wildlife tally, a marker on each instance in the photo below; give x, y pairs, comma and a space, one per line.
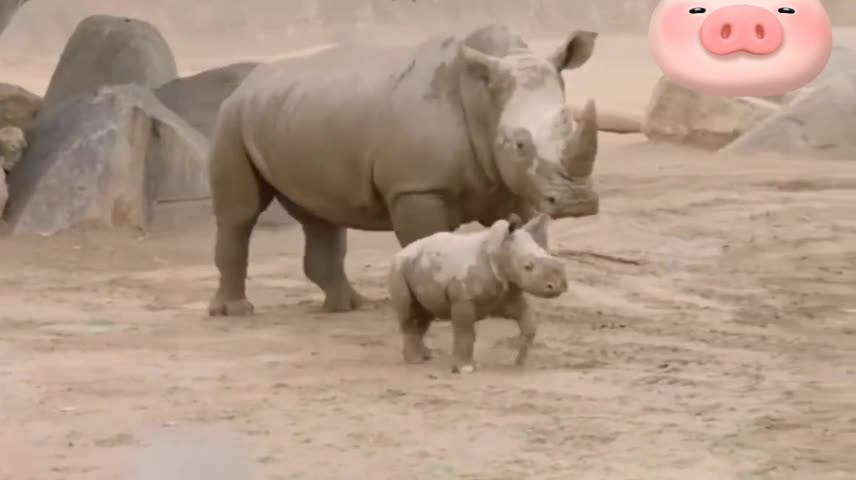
115, 157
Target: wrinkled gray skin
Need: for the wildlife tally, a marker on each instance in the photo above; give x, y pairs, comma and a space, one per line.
417, 140
466, 277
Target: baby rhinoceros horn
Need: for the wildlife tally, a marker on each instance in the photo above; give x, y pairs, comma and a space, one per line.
581, 151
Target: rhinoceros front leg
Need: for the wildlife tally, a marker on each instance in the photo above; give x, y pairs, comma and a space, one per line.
325, 246
418, 215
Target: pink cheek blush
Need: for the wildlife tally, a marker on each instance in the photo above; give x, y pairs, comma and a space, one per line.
675, 26
808, 30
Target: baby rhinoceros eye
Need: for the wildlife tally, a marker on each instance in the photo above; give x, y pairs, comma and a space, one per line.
528, 266
697, 10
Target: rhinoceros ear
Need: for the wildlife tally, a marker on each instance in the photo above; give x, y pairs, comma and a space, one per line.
575, 51
485, 67
537, 227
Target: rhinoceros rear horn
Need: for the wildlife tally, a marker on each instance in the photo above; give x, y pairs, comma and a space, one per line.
579, 161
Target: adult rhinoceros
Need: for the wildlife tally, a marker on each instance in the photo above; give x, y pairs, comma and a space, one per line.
411, 139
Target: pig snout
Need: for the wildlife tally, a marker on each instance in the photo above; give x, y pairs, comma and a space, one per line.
742, 28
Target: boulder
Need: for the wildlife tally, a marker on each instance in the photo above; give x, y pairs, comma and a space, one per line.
115, 157
4, 197
197, 98
106, 50
8, 9
818, 121
12, 146
18, 106
681, 116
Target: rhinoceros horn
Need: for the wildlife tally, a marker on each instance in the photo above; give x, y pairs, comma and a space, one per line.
582, 150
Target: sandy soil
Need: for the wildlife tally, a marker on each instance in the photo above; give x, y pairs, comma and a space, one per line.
708, 333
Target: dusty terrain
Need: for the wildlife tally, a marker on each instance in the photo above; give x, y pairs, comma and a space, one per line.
709, 333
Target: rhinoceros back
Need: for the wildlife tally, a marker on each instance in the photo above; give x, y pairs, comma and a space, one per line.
337, 131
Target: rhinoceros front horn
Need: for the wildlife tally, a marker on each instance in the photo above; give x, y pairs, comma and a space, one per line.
580, 156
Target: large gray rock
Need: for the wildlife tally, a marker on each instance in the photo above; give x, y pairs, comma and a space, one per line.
821, 121
681, 116
116, 157
197, 98
18, 106
106, 50
12, 146
8, 8
4, 197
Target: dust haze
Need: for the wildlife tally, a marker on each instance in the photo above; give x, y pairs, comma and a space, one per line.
709, 331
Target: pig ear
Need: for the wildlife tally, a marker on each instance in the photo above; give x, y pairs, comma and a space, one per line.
574, 51
537, 227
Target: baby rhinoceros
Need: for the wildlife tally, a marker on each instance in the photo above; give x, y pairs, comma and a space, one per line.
466, 277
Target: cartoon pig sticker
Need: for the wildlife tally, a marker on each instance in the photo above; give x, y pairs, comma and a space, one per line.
741, 48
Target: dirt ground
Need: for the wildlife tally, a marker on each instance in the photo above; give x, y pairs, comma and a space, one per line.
709, 333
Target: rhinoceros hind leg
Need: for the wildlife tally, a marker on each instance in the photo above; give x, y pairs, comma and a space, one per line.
324, 252
418, 215
239, 196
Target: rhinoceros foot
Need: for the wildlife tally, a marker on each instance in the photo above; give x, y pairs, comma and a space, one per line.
220, 307
343, 299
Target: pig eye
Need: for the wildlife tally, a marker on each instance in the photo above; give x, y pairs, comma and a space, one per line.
787, 10
529, 266
697, 10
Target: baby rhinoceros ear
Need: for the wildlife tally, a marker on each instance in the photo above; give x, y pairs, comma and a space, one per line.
537, 227
499, 232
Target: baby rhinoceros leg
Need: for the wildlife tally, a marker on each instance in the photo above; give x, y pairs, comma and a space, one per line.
464, 319
518, 309
413, 319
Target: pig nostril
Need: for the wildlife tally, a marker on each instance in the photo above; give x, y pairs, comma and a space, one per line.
550, 286
759, 31
726, 31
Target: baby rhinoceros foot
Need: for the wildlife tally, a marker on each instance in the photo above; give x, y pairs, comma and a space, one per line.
220, 307
465, 368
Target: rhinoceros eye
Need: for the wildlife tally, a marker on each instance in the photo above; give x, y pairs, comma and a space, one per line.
697, 10
528, 266
787, 10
